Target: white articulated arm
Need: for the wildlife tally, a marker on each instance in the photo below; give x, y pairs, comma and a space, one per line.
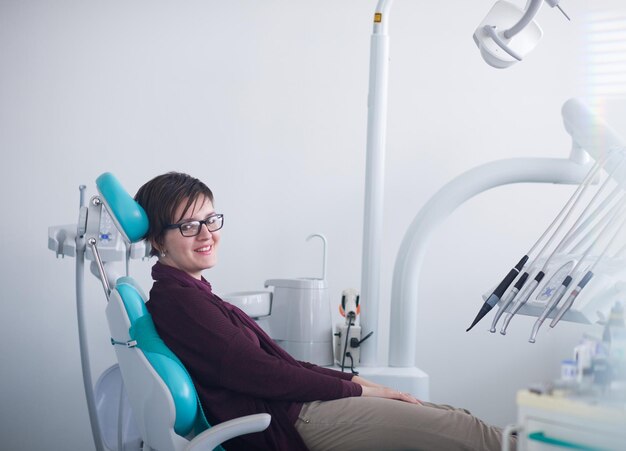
404, 290
216, 435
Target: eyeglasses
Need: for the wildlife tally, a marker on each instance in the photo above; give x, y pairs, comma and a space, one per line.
192, 228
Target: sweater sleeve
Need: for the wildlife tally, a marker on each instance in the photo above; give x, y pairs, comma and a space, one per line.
219, 353
328, 371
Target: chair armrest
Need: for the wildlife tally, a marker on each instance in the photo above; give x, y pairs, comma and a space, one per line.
506, 434
218, 434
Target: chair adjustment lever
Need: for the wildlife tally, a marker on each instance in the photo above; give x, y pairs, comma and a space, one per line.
128, 344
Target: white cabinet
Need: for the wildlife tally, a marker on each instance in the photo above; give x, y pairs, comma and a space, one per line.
551, 422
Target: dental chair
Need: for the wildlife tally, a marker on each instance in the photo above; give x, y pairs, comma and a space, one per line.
162, 396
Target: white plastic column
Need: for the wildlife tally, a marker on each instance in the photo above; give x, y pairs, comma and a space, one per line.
374, 182
404, 291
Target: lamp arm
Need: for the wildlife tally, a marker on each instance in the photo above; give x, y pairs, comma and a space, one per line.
532, 7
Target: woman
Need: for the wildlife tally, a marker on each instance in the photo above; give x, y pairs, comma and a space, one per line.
238, 370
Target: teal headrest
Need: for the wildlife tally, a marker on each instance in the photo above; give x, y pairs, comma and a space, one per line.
164, 361
129, 217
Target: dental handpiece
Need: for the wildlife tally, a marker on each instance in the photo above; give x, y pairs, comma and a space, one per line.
572, 297
493, 299
595, 232
583, 219
508, 300
552, 303
526, 293
594, 215
589, 275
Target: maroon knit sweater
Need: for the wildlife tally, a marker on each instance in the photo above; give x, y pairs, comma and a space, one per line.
237, 368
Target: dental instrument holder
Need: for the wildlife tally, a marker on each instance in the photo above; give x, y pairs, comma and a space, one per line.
94, 238
600, 290
405, 285
597, 138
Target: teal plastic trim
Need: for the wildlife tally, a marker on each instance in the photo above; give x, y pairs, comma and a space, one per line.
177, 381
543, 438
128, 215
127, 280
133, 302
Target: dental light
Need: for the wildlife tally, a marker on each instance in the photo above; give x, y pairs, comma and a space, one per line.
507, 33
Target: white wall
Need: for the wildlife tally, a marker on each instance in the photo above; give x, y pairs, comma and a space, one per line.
266, 102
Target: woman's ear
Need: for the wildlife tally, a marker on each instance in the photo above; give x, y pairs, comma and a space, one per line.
156, 248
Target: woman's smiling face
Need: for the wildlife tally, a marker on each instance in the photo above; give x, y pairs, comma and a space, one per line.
191, 254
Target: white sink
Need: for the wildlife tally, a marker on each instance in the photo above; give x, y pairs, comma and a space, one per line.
254, 303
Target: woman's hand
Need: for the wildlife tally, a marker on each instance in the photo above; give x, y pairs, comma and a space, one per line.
379, 391
364, 382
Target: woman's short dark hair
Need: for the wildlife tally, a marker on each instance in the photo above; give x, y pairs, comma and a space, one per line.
161, 196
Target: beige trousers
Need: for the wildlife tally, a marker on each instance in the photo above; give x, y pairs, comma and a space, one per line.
362, 423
